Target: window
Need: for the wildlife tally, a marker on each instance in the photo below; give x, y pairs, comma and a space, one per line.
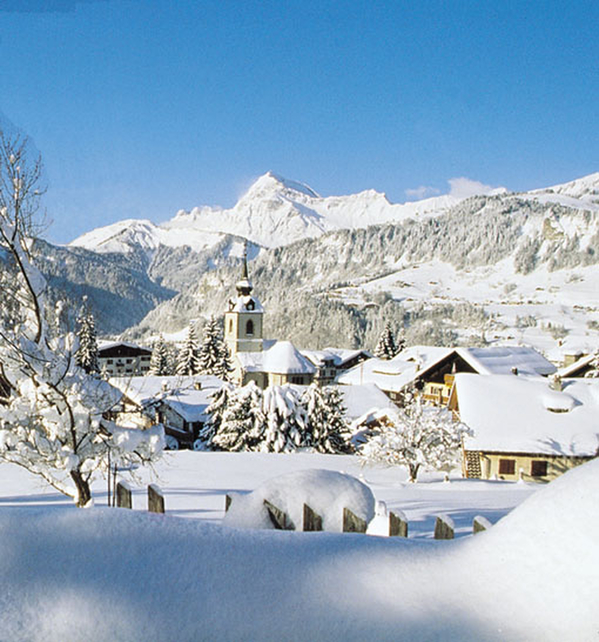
507, 466
538, 468
230, 325
249, 327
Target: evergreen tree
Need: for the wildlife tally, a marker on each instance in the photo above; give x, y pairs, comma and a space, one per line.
209, 356
216, 411
159, 364
325, 419
188, 359
386, 347
285, 427
214, 357
224, 368
241, 423
87, 353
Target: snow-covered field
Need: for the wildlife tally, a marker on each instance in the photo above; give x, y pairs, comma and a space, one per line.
113, 574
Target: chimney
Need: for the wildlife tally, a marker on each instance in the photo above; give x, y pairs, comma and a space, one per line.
514, 370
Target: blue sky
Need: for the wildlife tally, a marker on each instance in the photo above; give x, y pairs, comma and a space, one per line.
144, 107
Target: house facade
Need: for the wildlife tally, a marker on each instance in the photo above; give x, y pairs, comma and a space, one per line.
118, 359
528, 428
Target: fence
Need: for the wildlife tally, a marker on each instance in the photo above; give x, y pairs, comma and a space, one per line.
124, 497
398, 524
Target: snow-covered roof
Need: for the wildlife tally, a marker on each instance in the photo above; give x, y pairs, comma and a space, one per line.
525, 415
393, 375
106, 345
285, 358
365, 398
180, 393
281, 357
502, 359
339, 356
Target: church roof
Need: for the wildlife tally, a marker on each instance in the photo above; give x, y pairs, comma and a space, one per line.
285, 358
281, 358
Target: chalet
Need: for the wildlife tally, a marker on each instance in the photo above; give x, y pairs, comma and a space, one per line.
527, 428
178, 403
432, 369
121, 358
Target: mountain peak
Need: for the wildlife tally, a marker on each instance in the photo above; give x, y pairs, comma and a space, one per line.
275, 182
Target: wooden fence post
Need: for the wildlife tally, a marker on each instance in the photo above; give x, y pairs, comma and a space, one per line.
155, 499
398, 524
480, 524
312, 521
279, 519
123, 495
444, 527
352, 523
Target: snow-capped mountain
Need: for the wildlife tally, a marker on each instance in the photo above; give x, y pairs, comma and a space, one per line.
274, 211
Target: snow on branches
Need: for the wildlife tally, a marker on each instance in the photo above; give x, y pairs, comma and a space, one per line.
278, 419
52, 419
416, 435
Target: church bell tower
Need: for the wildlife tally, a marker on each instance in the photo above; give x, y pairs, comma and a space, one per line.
243, 318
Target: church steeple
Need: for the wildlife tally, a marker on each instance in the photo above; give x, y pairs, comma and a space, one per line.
243, 319
244, 286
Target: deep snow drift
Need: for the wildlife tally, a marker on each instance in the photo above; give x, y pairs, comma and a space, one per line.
106, 574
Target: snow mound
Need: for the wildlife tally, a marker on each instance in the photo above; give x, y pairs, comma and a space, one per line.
545, 555
326, 492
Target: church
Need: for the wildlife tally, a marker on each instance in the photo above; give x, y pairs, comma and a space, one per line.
266, 362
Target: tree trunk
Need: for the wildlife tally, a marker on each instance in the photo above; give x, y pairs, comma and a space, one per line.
413, 469
83, 490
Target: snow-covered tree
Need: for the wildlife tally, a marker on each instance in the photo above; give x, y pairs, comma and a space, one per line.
285, 427
240, 424
214, 357
160, 363
87, 352
386, 348
224, 368
188, 359
417, 435
52, 419
325, 419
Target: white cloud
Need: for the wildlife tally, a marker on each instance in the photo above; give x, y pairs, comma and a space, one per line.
421, 192
463, 187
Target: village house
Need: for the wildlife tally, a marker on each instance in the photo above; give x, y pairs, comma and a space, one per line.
330, 362
432, 369
528, 428
118, 358
178, 403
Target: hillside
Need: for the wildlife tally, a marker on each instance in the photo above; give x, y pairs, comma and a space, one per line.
498, 267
